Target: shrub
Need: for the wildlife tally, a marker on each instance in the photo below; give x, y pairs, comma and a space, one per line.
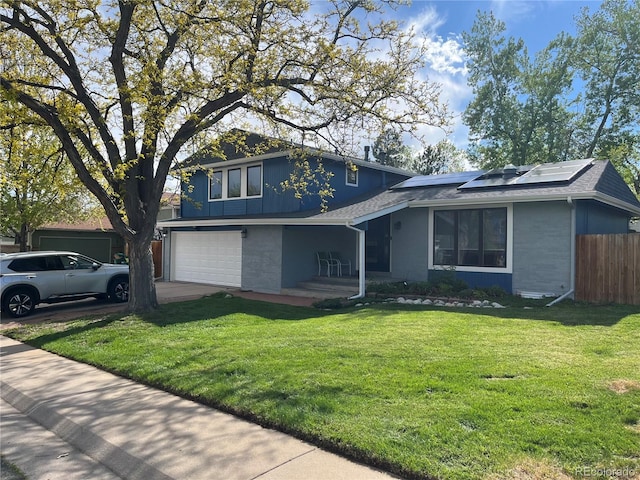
494, 291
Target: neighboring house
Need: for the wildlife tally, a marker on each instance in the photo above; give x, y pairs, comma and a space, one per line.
169, 206
512, 227
95, 238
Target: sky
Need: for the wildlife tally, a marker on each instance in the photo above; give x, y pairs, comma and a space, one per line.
537, 22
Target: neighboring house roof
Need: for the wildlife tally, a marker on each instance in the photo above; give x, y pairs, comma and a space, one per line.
170, 199
96, 224
598, 180
257, 147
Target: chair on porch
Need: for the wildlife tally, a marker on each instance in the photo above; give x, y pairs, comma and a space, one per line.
324, 259
340, 262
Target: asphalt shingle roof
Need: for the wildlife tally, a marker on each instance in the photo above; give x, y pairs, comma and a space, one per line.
600, 177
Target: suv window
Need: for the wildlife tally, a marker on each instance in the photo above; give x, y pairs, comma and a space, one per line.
36, 264
72, 262
28, 265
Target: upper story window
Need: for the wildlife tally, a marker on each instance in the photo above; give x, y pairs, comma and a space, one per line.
351, 175
254, 181
234, 183
215, 185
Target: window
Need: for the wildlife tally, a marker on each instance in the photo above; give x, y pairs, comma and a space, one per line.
234, 183
352, 175
470, 238
254, 181
215, 185
34, 264
77, 262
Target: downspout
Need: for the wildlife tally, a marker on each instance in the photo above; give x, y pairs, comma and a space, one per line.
573, 255
361, 261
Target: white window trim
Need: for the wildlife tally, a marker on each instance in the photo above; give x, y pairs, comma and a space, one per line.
243, 182
507, 269
346, 176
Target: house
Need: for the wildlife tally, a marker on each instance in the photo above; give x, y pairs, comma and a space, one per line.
95, 238
513, 227
169, 206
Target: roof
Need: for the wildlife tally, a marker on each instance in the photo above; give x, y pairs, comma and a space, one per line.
243, 147
170, 199
94, 224
599, 181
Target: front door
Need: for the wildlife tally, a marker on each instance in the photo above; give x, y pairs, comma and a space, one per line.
378, 246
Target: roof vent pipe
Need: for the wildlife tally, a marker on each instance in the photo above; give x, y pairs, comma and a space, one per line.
366, 152
509, 170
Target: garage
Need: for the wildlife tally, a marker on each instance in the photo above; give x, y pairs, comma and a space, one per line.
98, 248
207, 257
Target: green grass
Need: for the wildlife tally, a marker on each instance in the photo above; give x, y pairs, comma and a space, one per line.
423, 392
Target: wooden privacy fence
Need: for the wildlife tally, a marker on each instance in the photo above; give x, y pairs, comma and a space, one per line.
156, 251
608, 268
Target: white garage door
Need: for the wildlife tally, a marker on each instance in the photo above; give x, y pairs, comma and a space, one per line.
207, 257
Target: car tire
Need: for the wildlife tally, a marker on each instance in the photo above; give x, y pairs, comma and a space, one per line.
118, 290
19, 302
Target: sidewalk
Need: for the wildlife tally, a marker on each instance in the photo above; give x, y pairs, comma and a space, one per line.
108, 427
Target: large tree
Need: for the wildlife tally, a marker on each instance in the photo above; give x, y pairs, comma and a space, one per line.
442, 157
518, 114
579, 97
389, 149
126, 85
607, 59
37, 183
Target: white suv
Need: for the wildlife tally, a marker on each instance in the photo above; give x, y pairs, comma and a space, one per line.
29, 278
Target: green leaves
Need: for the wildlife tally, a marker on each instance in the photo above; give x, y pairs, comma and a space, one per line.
577, 98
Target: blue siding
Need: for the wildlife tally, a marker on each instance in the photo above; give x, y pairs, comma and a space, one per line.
216, 209
274, 200
235, 207
197, 204
480, 279
595, 218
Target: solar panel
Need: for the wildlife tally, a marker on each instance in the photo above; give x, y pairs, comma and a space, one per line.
442, 179
528, 175
488, 182
498, 177
554, 172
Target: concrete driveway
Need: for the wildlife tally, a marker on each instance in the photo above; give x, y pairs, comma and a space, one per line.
166, 291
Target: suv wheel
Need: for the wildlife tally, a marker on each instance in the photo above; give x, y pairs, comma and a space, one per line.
118, 290
19, 302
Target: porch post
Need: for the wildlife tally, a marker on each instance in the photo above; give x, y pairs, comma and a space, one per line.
361, 261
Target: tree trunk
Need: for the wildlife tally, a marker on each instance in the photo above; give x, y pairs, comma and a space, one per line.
22, 237
142, 288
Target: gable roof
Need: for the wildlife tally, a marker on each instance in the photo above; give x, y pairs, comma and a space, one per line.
239, 146
91, 225
600, 182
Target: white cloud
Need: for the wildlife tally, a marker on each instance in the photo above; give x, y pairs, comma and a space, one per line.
444, 64
426, 22
510, 11
445, 56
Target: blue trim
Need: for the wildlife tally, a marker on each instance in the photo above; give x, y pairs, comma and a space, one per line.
206, 229
479, 279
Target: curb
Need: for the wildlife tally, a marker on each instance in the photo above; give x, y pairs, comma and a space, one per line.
82, 438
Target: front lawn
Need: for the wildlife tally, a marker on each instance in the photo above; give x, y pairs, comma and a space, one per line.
421, 391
